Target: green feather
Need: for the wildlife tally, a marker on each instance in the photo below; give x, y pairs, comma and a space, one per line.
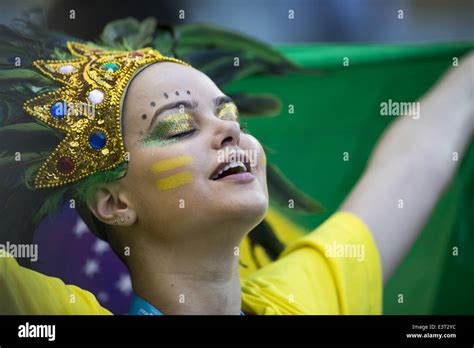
23, 75
164, 40
281, 190
197, 37
264, 236
51, 205
128, 34
22, 159
257, 105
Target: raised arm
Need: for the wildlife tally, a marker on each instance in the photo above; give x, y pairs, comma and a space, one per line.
412, 164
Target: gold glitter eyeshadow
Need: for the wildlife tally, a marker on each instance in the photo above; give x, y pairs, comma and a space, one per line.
228, 112
169, 127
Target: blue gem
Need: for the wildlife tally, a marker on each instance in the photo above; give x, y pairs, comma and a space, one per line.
110, 67
59, 109
97, 139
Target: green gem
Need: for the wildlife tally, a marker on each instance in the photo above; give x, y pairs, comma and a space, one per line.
110, 67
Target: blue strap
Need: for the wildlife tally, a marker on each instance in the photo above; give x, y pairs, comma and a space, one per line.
142, 307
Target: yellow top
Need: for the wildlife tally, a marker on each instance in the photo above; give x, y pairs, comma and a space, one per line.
333, 270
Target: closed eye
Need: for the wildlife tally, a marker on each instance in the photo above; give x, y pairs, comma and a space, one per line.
228, 112
183, 134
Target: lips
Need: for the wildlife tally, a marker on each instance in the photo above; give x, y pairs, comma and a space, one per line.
231, 167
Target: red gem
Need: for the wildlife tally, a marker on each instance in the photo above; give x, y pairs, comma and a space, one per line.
136, 54
65, 165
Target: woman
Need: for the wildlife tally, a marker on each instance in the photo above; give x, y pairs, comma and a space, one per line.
183, 191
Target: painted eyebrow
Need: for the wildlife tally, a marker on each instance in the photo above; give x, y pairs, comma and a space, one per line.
187, 104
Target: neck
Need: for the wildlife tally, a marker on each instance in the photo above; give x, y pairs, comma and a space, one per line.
193, 277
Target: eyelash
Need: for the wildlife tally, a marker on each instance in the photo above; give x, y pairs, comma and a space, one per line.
243, 129
183, 134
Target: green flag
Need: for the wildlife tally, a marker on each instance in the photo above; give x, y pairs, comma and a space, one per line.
328, 125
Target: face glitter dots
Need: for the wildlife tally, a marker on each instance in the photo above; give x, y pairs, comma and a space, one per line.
96, 96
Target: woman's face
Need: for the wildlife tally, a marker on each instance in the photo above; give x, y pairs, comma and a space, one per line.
191, 169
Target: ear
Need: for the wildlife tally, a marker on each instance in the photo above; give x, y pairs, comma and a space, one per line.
112, 207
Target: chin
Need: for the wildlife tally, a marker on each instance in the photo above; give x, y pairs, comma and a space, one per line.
248, 210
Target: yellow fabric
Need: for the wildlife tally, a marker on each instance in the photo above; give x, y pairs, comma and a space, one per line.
305, 281
23, 291
302, 281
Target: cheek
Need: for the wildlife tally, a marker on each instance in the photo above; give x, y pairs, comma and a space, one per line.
161, 169
255, 151
161, 181
172, 172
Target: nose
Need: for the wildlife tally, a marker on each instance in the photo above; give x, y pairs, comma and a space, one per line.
226, 133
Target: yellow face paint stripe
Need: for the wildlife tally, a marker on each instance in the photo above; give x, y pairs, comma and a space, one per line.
174, 181
168, 164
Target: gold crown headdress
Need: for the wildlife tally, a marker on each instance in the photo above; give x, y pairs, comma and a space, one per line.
87, 109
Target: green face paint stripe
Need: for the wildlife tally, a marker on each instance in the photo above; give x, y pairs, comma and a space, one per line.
159, 141
171, 163
174, 181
